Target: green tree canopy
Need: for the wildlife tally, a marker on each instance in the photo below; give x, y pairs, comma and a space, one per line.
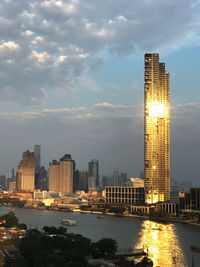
104, 247
10, 219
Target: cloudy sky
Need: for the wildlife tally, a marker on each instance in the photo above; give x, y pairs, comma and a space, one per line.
71, 79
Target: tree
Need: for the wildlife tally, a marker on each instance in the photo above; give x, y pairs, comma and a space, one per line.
22, 226
104, 247
11, 219
52, 230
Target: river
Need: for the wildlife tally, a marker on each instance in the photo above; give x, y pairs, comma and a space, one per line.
168, 244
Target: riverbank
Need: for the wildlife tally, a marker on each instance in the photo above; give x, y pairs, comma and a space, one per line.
169, 220
144, 217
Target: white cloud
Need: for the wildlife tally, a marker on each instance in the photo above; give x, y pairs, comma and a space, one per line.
52, 44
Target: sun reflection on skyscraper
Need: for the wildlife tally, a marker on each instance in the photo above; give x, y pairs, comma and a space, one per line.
161, 243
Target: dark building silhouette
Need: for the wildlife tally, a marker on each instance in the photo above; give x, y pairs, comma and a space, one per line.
190, 200
84, 180
93, 173
124, 177
42, 179
76, 180
3, 181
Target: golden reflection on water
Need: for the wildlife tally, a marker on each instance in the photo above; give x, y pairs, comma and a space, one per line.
161, 243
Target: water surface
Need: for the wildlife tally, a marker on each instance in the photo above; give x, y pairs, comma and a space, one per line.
168, 245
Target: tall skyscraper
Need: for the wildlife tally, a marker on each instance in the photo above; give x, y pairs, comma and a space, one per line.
37, 157
37, 164
157, 130
25, 179
42, 179
54, 176
61, 175
116, 178
93, 173
84, 180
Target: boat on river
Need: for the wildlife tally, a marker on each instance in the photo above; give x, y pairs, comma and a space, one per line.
68, 222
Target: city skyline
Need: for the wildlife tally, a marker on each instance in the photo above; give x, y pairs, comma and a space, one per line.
72, 81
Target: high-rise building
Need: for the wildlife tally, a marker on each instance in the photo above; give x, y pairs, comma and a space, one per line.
124, 177
61, 175
54, 176
42, 179
37, 164
157, 130
84, 180
116, 177
2, 181
26, 172
76, 181
93, 173
37, 157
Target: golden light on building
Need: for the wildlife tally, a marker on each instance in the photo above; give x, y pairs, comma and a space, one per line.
157, 130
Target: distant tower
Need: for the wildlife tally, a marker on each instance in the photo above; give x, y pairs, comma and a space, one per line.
124, 177
116, 177
157, 131
42, 179
67, 166
26, 172
37, 149
61, 175
84, 180
93, 173
54, 176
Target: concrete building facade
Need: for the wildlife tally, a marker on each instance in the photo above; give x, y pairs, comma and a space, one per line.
61, 175
124, 195
116, 177
157, 130
25, 179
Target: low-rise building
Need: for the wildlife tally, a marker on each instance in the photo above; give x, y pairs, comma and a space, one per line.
141, 209
171, 208
125, 195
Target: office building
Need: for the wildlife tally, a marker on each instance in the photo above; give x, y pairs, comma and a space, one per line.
93, 173
76, 181
124, 195
25, 179
84, 180
37, 149
190, 200
2, 181
42, 179
54, 176
37, 164
157, 130
116, 177
124, 177
61, 175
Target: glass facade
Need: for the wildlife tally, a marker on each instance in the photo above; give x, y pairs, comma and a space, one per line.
157, 131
